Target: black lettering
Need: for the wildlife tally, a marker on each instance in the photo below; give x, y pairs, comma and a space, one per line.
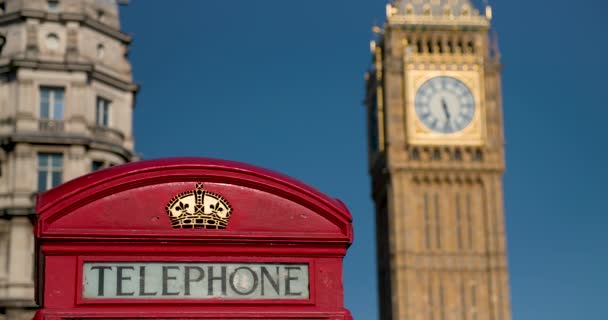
100, 282
211, 278
288, 282
120, 278
188, 279
273, 283
253, 286
166, 279
142, 283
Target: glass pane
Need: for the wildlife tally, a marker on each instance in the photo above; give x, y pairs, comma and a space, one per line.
105, 114
98, 112
44, 106
53, 5
58, 95
43, 160
96, 165
44, 94
58, 111
56, 179
57, 161
102, 112
57, 104
41, 181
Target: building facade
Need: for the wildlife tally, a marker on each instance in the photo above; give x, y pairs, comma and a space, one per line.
436, 159
66, 105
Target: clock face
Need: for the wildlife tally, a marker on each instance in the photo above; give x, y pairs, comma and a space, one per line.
445, 105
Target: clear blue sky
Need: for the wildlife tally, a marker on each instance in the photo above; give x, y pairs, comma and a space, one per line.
279, 84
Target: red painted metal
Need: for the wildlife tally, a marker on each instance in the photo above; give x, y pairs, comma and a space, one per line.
118, 215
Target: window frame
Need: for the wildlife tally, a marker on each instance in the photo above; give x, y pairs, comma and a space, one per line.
99, 117
52, 99
53, 5
49, 170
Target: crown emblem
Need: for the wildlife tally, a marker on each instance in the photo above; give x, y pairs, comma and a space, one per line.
198, 209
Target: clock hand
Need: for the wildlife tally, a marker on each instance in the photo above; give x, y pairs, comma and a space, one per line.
445, 109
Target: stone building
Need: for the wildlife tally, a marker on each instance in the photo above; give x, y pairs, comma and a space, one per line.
66, 105
436, 158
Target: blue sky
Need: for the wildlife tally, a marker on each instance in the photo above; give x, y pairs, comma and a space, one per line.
279, 84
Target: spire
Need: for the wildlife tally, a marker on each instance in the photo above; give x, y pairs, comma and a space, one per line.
437, 13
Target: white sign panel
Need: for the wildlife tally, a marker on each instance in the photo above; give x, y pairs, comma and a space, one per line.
159, 280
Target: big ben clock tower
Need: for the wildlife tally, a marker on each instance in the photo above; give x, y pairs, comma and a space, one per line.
436, 154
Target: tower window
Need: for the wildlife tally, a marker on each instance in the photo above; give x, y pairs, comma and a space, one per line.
50, 170
457, 155
470, 47
439, 46
102, 112
478, 156
51, 103
436, 154
414, 154
450, 47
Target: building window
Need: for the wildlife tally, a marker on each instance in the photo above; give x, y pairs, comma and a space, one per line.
50, 170
101, 15
53, 5
101, 51
52, 41
96, 165
102, 113
2, 39
51, 103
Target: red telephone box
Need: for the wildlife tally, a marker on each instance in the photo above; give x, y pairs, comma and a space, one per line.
190, 239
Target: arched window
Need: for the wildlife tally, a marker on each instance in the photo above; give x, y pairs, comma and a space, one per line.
52, 41
101, 51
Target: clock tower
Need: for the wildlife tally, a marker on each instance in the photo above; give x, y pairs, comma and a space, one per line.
436, 158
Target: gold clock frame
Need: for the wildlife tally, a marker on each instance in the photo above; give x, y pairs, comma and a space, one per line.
418, 133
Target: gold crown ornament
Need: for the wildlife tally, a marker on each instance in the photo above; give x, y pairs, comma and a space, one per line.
199, 209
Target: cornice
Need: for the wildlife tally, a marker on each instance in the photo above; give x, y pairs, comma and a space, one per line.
66, 17
434, 22
432, 170
15, 63
67, 139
